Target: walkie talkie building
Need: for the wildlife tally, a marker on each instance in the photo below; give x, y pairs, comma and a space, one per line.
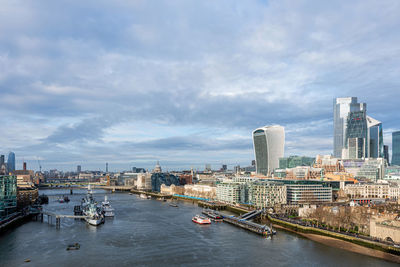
269, 146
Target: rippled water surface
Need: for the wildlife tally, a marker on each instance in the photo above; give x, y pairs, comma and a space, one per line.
150, 232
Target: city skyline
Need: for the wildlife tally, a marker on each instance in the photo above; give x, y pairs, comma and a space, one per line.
119, 85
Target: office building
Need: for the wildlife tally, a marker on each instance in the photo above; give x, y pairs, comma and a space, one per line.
78, 168
294, 161
11, 162
341, 109
386, 154
2, 160
269, 146
356, 136
308, 193
396, 148
8, 195
375, 138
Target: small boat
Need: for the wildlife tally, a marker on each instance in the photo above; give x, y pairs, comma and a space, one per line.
201, 220
75, 246
173, 205
130, 194
143, 196
60, 200
66, 199
108, 211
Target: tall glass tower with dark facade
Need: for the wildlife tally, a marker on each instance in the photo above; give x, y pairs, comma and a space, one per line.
356, 141
396, 148
341, 109
11, 162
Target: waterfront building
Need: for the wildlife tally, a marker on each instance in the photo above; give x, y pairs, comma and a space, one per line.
199, 190
11, 162
263, 194
78, 168
341, 109
157, 179
8, 195
294, 161
269, 146
26, 196
231, 192
143, 181
396, 148
298, 193
386, 154
172, 190
2, 160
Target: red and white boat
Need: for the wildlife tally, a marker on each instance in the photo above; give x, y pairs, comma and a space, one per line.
201, 220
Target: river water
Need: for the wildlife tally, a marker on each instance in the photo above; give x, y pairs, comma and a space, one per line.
150, 232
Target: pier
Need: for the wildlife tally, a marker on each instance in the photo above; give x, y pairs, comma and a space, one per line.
51, 215
245, 224
212, 205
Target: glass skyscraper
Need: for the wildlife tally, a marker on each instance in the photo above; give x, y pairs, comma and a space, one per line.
356, 135
11, 162
269, 146
396, 148
341, 109
375, 138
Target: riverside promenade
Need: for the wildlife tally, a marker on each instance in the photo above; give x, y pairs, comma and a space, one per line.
294, 226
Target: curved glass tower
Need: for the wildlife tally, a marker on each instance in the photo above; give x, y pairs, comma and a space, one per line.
11, 162
269, 146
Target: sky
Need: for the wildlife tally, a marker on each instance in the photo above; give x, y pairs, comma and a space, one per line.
185, 82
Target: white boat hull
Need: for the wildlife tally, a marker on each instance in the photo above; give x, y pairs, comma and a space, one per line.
94, 222
109, 213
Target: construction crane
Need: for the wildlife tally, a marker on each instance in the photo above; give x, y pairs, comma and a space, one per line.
40, 166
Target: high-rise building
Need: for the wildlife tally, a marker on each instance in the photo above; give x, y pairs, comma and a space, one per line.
11, 162
2, 160
224, 168
356, 136
396, 148
375, 138
269, 146
106, 166
78, 168
341, 109
386, 153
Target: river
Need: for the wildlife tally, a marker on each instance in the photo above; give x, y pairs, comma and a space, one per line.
150, 232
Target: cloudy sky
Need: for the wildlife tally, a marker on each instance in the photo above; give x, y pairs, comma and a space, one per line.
185, 82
